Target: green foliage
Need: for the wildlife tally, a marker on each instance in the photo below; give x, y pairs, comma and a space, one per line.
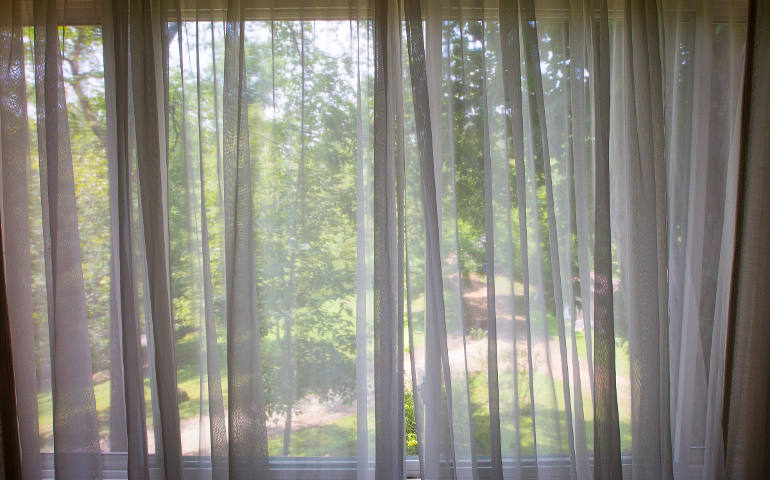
410, 424
301, 110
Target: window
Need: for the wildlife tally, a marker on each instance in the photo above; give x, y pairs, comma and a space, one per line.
269, 224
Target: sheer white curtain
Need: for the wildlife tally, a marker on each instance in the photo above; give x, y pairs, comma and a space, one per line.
440, 238
583, 156
196, 290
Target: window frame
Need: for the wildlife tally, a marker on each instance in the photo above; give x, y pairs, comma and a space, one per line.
556, 467
114, 464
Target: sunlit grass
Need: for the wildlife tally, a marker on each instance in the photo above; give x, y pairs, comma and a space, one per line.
333, 439
337, 438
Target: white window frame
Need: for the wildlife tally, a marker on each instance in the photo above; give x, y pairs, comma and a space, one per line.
556, 467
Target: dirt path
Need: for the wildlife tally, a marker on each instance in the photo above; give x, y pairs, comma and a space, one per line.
546, 355
471, 355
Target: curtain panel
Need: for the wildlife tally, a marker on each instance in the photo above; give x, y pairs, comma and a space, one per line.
747, 379
372, 238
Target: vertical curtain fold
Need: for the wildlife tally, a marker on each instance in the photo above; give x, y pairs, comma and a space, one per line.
15, 217
152, 173
489, 232
363, 279
388, 342
247, 435
647, 261
700, 205
718, 361
684, 374
577, 42
117, 99
542, 161
747, 383
10, 464
76, 438
511, 60
217, 425
438, 376
607, 463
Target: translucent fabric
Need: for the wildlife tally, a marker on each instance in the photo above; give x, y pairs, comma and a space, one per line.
204, 242
318, 239
747, 378
582, 162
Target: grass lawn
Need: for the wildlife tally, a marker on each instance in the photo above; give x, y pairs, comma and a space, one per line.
338, 437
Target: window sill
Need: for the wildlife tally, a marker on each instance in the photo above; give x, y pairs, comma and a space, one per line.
343, 468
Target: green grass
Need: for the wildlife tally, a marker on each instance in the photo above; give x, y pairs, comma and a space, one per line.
337, 438
550, 420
